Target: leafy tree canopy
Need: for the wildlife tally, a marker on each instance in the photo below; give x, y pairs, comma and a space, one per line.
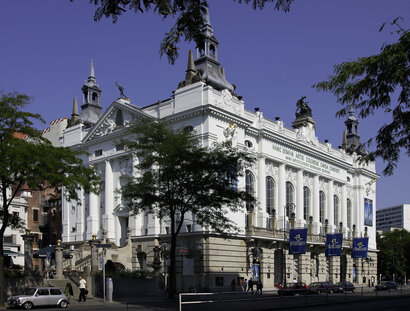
180, 178
368, 83
394, 251
188, 13
31, 162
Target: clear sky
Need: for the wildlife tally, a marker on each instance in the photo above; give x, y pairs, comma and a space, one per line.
273, 58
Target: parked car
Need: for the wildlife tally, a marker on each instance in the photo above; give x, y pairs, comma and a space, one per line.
293, 289
346, 286
39, 296
385, 285
323, 287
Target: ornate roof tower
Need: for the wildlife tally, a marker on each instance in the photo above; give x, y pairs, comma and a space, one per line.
91, 109
207, 60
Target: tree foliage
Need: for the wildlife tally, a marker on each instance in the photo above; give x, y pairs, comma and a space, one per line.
188, 15
31, 162
368, 83
179, 177
394, 252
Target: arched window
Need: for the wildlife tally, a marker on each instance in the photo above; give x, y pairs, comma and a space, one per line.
290, 196
349, 213
94, 97
306, 202
322, 204
250, 188
336, 209
270, 194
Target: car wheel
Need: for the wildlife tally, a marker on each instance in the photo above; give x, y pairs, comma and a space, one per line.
63, 304
28, 305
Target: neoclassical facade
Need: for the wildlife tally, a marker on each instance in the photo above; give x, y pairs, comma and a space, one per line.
298, 181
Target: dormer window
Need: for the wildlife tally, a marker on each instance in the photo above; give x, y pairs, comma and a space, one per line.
248, 144
98, 153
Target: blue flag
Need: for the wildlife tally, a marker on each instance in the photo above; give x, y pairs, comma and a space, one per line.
360, 246
297, 241
334, 244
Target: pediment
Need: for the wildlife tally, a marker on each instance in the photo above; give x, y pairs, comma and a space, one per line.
120, 115
121, 209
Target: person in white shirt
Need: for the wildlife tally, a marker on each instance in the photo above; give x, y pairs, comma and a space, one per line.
83, 288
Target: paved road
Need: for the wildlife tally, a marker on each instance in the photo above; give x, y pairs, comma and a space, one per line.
366, 300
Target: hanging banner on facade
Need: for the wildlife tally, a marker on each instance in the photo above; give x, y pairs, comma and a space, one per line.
368, 212
360, 246
297, 241
334, 244
255, 272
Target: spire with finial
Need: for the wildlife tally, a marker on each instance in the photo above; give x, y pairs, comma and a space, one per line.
75, 108
75, 117
91, 77
190, 72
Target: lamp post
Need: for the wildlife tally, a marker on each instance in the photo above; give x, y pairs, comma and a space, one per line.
289, 208
164, 252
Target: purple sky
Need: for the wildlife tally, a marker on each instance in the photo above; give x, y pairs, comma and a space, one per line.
273, 58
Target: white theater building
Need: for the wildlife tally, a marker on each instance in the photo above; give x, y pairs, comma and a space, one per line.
327, 187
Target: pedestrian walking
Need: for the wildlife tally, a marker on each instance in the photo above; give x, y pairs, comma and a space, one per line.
244, 285
259, 287
83, 289
250, 285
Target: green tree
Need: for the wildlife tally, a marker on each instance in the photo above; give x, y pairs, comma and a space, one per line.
178, 176
368, 83
32, 162
394, 251
188, 13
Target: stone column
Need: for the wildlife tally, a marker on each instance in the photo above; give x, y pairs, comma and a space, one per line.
28, 239
299, 199
334, 269
94, 255
315, 205
108, 217
93, 218
343, 212
261, 214
58, 251
281, 194
330, 205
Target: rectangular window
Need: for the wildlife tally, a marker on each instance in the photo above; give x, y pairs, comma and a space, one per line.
98, 153
16, 214
188, 228
35, 214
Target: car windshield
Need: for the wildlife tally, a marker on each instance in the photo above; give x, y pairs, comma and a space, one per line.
30, 291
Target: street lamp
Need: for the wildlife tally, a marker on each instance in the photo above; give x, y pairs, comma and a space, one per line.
288, 209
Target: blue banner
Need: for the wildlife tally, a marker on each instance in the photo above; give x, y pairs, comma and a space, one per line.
255, 272
368, 212
297, 241
360, 246
334, 244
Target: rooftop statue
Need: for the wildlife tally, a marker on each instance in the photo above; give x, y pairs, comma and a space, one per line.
302, 108
121, 89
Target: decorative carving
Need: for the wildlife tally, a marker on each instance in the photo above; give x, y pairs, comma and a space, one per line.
290, 174
229, 132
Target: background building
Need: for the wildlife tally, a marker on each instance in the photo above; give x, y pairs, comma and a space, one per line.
330, 190
393, 217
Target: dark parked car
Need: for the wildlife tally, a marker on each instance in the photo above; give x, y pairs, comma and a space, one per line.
41, 296
324, 287
385, 285
346, 286
292, 289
